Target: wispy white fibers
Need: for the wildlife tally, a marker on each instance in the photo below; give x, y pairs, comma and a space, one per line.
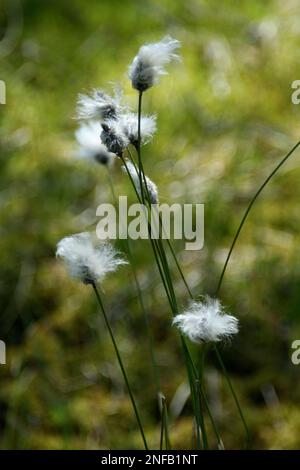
128, 122
119, 126
151, 187
90, 145
206, 321
150, 62
119, 132
113, 136
98, 105
85, 260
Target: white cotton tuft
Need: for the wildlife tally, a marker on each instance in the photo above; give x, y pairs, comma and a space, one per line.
151, 187
150, 61
206, 321
118, 133
86, 261
113, 136
128, 122
98, 105
90, 145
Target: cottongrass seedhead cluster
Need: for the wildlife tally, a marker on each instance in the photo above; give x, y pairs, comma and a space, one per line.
99, 105
128, 124
149, 188
90, 145
119, 125
107, 129
89, 263
150, 61
113, 137
86, 261
118, 133
206, 321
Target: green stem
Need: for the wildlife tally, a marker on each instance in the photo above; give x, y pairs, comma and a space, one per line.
153, 242
179, 268
127, 249
121, 365
195, 387
163, 266
139, 144
172, 299
196, 390
147, 322
199, 395
159, 252
200, 385
237, 234
162, 427
168, 241
233, 394
213, 423
164, 431
285, 158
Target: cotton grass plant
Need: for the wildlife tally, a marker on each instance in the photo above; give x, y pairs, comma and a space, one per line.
109, 130
90, 263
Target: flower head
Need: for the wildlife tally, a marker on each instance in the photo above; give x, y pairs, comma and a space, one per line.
149, 63
98, 105
113, 136
118, 133
90, 145
151, 187
85, 261
206, 321
128, 122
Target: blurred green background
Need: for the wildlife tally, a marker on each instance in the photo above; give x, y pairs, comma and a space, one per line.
225, 118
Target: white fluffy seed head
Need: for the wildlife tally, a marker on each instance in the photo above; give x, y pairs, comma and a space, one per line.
150, 61
98, 105
128, 122
113, 136
205, 321
117, 133
90, 145
151, 187
86, 261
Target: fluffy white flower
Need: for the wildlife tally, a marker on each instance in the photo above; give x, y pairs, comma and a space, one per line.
98, 105
151, 187
90, 145
113, 136
149, 63
118, 133
206, 321
85, 261
128, 122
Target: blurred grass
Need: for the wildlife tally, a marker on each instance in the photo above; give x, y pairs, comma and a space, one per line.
225, 118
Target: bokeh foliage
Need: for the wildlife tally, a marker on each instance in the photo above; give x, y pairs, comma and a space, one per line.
225, 118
